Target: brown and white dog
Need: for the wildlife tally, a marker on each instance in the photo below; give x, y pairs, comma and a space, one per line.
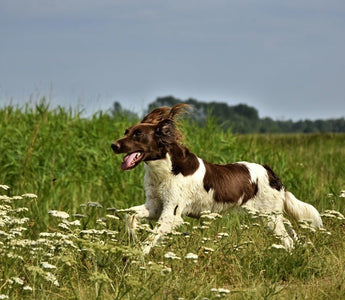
179, 183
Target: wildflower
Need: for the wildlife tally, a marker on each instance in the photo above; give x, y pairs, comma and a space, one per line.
2, 296
69, 243
15, 232
101, 222
27, 288
14, 256
58, 214
191, 256
205, 239
79, 216
333, 214
63, 226
210, 216
3, 233
171, 255
46, 265
54, 235
220, 291
306, 225
91, 231
4, 187
50, 277
21, 209
222, 234
144, 227
113, 217
186, 235
74, 223
166, 270
251, 211
201, 227
208, 250
29, 195
18, 221
342, 194
94, 204
225, 291
18, 280
323, 230
277, 246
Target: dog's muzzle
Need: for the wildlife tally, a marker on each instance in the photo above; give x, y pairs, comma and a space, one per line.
116, 147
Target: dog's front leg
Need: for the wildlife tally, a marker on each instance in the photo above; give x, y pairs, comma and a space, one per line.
169, 219
136, 213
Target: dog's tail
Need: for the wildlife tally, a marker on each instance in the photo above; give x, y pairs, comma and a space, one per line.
301, 211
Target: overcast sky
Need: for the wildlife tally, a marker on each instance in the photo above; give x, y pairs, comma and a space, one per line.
285, 58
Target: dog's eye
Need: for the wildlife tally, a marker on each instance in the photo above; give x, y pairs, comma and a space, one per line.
137, 133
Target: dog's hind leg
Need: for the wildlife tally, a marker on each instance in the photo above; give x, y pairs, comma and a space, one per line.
276, 225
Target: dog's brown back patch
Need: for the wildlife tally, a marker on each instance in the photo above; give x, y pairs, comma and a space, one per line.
230, 182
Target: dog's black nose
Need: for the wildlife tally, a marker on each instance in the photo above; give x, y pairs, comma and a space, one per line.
115, 146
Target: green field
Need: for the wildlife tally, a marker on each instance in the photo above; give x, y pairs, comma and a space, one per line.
70, 243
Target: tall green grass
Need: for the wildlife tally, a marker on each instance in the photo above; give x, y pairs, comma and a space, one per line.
67, 162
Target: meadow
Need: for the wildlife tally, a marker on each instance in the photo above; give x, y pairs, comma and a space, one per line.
62, 238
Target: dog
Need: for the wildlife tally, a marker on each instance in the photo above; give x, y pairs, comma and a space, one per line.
179, 183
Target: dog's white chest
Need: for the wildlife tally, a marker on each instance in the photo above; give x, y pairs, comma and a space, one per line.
187, 192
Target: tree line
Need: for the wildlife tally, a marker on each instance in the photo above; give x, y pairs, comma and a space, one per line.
241, 118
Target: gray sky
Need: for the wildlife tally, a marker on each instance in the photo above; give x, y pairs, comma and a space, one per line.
285, 58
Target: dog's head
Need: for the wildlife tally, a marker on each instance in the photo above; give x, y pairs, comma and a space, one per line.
150, 139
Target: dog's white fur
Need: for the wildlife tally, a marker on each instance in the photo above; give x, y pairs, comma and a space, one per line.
169, 197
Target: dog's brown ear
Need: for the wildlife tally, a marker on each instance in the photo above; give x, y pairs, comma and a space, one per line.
166, 132
157, 115
164, 112
178, 109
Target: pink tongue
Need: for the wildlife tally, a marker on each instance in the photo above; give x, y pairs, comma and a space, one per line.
128, 161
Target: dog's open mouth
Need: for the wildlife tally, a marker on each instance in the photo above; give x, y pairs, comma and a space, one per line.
131, 160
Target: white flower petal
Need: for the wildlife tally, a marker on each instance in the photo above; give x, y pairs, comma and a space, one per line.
46, 265
29, 195
171, 255
58, 214
191, 256
278, 246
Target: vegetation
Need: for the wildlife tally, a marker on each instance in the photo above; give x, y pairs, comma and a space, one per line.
242, 118
61, 237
